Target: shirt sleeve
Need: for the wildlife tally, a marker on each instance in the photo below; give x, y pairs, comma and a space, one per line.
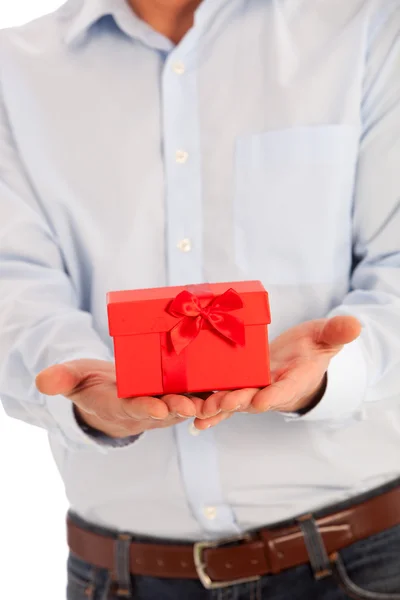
42, 321
368, 369
103, 438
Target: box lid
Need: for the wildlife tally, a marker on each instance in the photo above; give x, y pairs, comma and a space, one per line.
133, 312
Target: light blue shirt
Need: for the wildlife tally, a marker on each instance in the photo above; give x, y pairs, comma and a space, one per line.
265, 145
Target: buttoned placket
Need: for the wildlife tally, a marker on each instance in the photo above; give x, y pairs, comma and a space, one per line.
182, 156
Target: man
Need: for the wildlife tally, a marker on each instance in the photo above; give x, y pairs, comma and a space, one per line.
168, 142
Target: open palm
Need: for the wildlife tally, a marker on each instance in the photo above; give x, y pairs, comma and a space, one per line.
299, 361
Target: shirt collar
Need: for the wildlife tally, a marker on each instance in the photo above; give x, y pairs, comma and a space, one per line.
82, 14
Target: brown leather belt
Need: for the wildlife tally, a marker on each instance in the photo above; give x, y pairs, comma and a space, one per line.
248, 557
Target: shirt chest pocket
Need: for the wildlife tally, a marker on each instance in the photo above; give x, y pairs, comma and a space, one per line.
293, 202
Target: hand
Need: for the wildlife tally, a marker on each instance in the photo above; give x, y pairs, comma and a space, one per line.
91, 386
299, 361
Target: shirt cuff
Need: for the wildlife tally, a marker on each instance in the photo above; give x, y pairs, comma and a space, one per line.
70, 433
101, 437
76, 438
346, 388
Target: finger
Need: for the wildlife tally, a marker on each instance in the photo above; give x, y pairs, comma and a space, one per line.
199, 404
142, 408
220, 402
238, 399
211, 405
65, 379
339, 330
58, 379
182, 406
202, 424
280, 395
201, 395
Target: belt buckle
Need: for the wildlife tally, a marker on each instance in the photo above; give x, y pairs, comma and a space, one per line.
200, 565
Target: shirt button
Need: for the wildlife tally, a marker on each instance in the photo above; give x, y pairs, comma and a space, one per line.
210, 512
185, 245
178, 67
181, 156
193, 430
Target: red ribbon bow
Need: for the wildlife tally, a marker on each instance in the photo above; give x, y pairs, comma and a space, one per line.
214, 312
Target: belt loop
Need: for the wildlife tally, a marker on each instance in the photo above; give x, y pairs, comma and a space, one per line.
122, 571
317, 554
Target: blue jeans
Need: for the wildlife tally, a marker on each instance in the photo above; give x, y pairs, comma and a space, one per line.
367, 570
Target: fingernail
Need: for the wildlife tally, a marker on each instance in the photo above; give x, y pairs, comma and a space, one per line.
157, 418
184, 416
214, 415
233, 409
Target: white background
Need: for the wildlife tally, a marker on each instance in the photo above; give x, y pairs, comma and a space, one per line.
32, 501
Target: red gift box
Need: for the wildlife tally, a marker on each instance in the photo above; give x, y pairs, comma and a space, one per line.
190, 339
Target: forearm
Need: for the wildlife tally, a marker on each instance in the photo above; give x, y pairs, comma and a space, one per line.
368, 370
36, 332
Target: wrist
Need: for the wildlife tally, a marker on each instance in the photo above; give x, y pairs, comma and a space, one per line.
96, 427
311, 401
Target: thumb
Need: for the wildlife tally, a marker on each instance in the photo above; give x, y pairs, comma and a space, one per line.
339, 330
60, 379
